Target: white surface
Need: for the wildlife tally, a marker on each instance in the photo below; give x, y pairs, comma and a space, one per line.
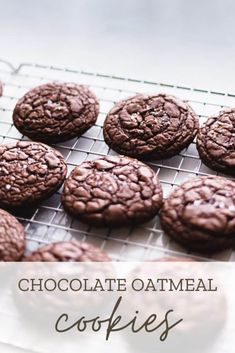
175, 41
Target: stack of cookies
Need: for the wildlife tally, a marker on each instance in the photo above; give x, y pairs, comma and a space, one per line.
117, 190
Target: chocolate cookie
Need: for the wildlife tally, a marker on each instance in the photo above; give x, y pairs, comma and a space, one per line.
200, 214
29, 172
216, 142
112, 191
56, 112
151, 126
12, 238
74, 251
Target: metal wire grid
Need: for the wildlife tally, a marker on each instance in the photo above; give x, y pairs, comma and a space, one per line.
48, 222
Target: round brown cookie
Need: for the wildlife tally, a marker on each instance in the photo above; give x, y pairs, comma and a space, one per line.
216, 142
73, 251
56, 112
29, 173
1, 89
200, 214
12, 238
112, 191
151, 126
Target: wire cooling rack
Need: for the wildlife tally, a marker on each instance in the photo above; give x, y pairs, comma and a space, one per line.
49, 223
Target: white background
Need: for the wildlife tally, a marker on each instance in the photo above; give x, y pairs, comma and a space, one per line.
176, 41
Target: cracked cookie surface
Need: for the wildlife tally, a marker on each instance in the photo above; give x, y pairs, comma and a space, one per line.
73, 251
216, 142
12, 237
150, 126
200, 214
56, 112
29, 173
112, 191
